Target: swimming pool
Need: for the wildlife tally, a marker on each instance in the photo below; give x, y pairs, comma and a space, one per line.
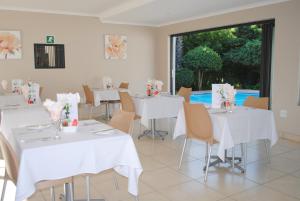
205, 97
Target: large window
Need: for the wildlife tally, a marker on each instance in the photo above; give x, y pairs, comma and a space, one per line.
237, 54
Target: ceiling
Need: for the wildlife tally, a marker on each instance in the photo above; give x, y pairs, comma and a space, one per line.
136, 12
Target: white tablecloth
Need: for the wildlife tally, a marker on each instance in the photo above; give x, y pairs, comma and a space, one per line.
241, 126
21, 117
11, 100
164, 106
73, 154
106, 95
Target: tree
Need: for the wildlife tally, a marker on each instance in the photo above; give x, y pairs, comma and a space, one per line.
200, 60
184, 78
219, 40
249, 54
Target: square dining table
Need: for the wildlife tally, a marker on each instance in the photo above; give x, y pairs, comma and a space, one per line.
230, 128
156, 107
93, 148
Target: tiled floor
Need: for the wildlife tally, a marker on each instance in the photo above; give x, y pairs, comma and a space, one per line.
161, 180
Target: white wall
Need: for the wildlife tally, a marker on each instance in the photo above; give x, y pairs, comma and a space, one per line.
83, 38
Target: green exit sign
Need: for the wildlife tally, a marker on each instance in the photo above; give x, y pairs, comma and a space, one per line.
50, 39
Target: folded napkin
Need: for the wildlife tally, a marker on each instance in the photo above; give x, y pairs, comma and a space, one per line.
54, 108
4, 85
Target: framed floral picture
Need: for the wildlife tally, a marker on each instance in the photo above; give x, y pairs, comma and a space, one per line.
115, 47
10, 45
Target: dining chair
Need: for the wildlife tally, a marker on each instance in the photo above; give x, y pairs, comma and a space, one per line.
259, 103
124, 85
89, 98
186, 93
127, 105
198, 127
120, 120
12, 169
123, 121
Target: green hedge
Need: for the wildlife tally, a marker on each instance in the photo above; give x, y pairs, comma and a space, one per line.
184, 78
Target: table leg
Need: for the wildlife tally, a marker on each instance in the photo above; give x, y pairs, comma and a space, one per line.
68, 192
153, 131
233, 161
107, 111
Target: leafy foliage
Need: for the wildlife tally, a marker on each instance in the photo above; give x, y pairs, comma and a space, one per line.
202, 58
239, 49
249, 54
184, 78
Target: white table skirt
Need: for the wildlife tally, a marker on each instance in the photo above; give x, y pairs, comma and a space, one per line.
11, 100
22, 116
74, 154
241, 126
164, 106
106, 95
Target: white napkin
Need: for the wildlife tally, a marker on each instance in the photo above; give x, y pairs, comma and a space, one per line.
4, 85
54, 108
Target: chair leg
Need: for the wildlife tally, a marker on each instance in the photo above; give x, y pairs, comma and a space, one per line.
267, 147
206, 152
87, 185
233, 158
116, 182
52, 193
207, 163
4, 187
183, 149
244, 155
140, 131
91, 112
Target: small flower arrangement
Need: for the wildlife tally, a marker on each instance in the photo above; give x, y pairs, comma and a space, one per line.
30, 91
154, 87
227, 94
67, 121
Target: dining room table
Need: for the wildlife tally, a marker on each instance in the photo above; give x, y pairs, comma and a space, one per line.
152, 108
238, 126
93, 148
107, 96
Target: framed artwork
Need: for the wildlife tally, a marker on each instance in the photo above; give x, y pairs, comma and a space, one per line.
10, 45
115, 47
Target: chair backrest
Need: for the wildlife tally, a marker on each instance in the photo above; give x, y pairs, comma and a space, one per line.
11, 162
198, 122
123, 121
126, 102
260, 103
124, 85
186, 93
89, 95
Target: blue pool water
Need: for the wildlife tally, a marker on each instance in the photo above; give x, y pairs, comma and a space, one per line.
205, 97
